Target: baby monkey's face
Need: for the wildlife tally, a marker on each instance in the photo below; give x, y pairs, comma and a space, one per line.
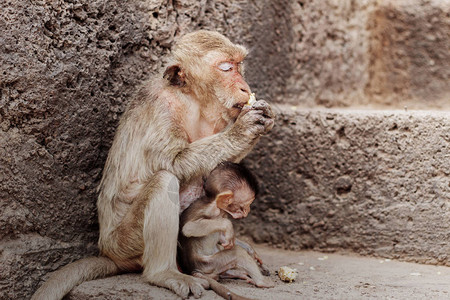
239, 206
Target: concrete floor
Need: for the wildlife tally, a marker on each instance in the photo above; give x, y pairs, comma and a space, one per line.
321, 276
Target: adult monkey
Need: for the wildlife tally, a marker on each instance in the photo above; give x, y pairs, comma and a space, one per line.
176, 129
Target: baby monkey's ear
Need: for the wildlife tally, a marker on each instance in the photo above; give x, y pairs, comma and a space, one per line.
224, 199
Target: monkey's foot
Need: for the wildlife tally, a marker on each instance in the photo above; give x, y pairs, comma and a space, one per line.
180, 284
264, 283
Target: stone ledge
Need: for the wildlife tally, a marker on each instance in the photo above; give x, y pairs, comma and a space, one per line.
374, 182
321, 276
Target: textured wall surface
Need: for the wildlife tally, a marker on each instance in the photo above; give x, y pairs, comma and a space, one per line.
410, 54
67, 69
378, 53
374, 182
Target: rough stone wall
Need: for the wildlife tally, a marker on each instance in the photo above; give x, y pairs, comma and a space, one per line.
376, 183
66, 72
329, 53
410, 54
378, 53
67, 69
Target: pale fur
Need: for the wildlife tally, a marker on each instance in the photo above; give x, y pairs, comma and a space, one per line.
156, 144
63, 280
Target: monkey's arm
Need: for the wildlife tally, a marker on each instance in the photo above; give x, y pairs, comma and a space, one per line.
253, 254
246, 247
187, 160
204, 227
202, 156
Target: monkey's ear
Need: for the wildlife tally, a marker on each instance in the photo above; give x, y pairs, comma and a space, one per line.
224, 199
175, 75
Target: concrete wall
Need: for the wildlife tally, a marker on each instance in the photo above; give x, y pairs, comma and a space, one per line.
68, 68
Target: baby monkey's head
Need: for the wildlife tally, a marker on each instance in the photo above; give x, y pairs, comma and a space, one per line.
233, 187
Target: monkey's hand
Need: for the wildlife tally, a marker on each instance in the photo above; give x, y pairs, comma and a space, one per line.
227, 244
227, 239
255, 121
267, 113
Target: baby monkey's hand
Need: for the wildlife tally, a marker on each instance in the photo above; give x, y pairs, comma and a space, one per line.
227, 237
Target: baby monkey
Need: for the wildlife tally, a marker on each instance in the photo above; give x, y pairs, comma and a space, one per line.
207, 245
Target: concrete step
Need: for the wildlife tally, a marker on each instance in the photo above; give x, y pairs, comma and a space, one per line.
374, 182
321, 276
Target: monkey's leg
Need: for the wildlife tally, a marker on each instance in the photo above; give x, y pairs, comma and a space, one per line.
150, 231
246, 262
220, 289
236, 274
160, 234
218, 263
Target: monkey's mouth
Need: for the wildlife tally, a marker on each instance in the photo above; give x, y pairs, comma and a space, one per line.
239, 105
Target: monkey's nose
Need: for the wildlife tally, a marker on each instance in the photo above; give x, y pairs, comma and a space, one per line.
245, 91
244, 88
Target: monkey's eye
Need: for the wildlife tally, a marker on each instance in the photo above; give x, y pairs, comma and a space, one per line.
226, 66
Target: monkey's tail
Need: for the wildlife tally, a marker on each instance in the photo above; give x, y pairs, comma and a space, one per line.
222, 290
69, 276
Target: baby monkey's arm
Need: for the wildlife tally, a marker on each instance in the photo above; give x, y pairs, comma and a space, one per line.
265, 271
204, 227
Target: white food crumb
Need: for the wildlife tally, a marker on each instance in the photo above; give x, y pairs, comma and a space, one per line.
287, 274
251, 100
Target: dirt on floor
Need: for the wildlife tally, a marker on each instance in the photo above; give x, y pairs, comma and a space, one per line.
321, 276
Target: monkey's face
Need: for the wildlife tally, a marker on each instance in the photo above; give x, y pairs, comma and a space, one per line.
239, 204
209, 67
230, 87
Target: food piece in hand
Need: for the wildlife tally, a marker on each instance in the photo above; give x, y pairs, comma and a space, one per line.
287, 274
251, 100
